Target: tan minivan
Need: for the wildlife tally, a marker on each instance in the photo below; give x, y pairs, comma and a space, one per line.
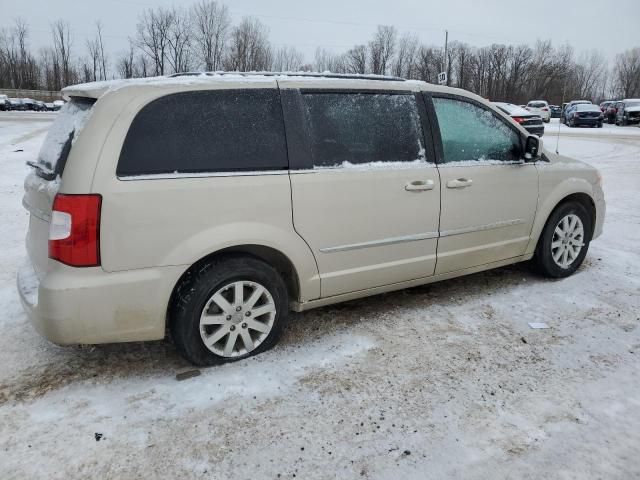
212, 204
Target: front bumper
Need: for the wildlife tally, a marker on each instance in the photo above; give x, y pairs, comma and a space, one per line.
601, 210
88, 305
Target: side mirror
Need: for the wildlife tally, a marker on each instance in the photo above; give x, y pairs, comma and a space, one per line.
532, 148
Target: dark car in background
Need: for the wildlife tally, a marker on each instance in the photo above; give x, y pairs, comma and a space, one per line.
29, 104
17, 104
628, 111
531, 122
584, 114
610, 112
568, 106
556, 111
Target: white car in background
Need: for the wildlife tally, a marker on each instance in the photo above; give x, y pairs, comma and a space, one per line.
541, 108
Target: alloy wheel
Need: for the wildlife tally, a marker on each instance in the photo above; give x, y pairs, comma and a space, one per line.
237, 318
568, 240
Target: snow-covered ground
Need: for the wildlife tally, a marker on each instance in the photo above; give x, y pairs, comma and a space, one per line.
441, 381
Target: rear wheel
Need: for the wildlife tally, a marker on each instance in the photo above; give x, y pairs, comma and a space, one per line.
564, 241
227, 310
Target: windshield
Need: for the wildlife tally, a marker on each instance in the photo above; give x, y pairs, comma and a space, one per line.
633, 104
537, 104
70, 120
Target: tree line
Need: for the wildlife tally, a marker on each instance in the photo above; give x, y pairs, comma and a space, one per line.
204, 37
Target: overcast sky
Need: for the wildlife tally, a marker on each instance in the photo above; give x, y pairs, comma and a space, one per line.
610, 26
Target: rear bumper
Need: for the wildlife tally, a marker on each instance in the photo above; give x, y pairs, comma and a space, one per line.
586, 121
88, 305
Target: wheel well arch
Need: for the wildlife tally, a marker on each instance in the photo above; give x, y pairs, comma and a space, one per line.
278, 260
583, 199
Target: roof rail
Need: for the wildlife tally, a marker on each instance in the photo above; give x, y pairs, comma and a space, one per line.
352, 76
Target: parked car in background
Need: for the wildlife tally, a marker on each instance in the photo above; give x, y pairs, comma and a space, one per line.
4, 103
39, 106
530, 121
556, 111
585, 114
610, 112
58, 104
29, 104
49, 106
16, 104
563, 117
475, 191
540, 108
605, 104
628, 112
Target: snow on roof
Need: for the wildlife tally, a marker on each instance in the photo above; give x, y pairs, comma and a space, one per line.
97, 89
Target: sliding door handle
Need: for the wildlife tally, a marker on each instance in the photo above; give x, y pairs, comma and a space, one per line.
460, 183
420, 185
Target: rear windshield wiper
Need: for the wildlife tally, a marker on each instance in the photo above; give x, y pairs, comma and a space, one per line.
41, 170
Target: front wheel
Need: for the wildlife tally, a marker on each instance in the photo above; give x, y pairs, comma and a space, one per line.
227, 310
564, 241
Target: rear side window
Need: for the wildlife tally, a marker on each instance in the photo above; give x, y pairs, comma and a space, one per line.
206, 131
363, 128
57, 144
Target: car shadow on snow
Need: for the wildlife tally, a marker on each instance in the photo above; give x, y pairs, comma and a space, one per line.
102, 364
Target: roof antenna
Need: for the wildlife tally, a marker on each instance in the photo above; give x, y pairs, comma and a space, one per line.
564, 84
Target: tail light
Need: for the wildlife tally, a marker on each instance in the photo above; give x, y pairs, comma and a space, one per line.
545, 109
519, 119
74, 231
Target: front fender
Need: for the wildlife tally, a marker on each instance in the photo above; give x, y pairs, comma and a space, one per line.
552, 192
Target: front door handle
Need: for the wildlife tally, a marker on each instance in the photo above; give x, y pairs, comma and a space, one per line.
419, 185
460, 183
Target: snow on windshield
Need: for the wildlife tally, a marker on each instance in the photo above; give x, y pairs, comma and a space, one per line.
67, 125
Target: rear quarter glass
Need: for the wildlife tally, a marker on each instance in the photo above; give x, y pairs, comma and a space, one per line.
66, 127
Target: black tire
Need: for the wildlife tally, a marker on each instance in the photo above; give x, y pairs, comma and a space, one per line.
600, 125
543, 260
197, 288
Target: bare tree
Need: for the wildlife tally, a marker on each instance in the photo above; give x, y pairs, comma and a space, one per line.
152, 38
356, 59
249, 47
326, 61
404, 63
91, 66
382, 48
102, 55
62, 47
179, 42
125, 64
627, 73
211, 25
287, 59
588, 74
